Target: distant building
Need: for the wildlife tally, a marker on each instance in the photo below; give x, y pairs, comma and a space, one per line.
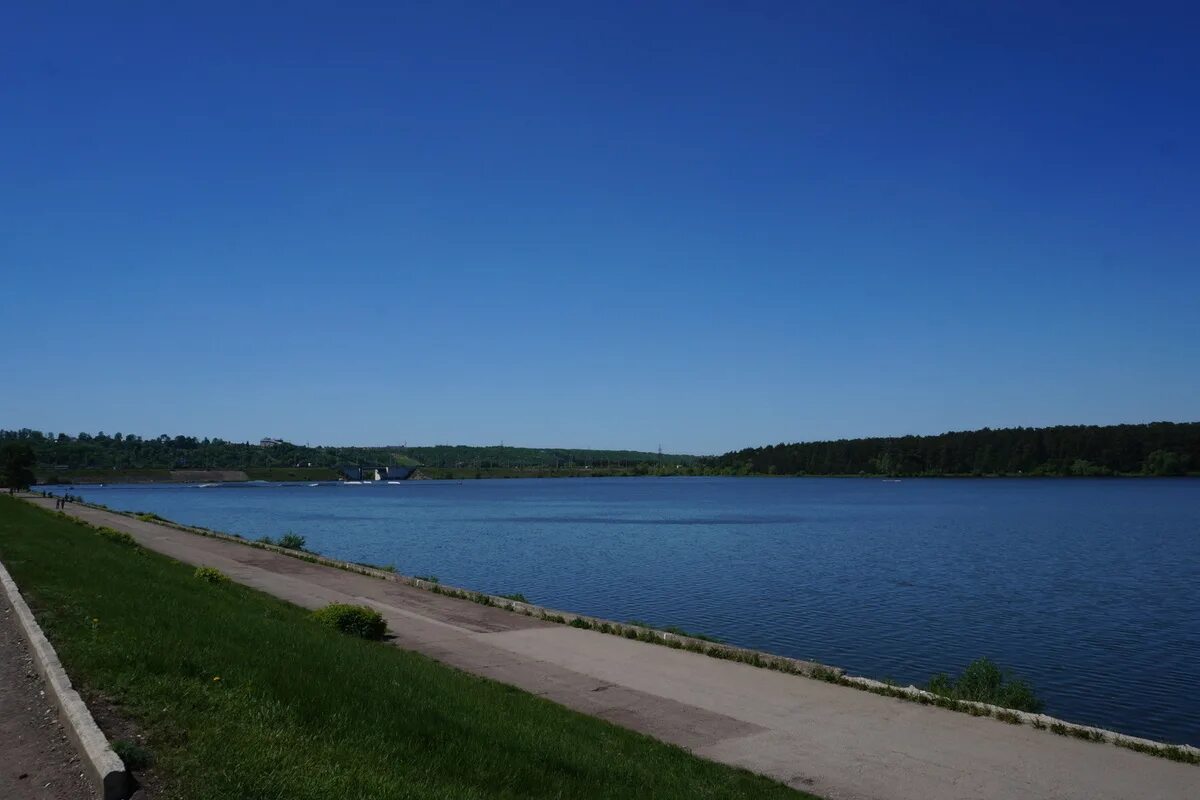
270, 442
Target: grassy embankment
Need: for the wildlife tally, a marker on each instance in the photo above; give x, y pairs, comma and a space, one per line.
242, 695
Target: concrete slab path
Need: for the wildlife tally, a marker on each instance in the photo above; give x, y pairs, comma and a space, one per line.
837, 742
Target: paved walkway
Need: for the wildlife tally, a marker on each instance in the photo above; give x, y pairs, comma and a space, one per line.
837, 742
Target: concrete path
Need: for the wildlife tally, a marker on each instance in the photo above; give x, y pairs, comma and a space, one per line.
836, 742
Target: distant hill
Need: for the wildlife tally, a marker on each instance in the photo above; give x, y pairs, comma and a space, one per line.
1157, 448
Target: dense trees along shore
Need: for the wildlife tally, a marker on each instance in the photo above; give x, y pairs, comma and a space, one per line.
1158, 449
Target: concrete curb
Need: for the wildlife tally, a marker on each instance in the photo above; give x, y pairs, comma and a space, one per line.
105, 768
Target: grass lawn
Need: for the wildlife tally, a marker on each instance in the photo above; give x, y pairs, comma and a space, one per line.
242, 696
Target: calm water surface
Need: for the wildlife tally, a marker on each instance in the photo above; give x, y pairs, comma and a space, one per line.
1087, 588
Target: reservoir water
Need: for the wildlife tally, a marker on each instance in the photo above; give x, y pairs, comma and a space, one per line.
1086, 588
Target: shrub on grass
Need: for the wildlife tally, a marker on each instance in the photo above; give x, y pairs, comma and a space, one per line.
211, 575
984, 682
354, 620
135, 756
117, 537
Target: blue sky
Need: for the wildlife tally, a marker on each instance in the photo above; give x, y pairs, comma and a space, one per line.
704, 226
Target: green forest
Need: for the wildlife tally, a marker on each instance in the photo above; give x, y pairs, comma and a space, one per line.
1157, 448
62, 453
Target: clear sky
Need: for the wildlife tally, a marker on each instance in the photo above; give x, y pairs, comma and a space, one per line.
606, 224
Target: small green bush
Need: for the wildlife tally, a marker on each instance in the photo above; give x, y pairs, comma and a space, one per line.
520, 598
354, 620
135, 756
117, 537
147, 516
291, 541
211, 575
984, 682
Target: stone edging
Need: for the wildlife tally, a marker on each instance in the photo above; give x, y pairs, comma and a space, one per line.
809, 669
1186, 754
105, 769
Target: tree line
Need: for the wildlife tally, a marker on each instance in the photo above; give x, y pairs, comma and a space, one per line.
101, 451
534, 458
1157, 448
62, 452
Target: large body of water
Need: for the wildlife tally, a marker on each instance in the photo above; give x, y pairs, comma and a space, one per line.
1088, 589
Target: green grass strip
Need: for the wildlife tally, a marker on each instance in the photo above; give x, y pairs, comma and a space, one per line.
242, 695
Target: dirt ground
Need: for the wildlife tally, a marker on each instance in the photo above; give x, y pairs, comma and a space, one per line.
37, 760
